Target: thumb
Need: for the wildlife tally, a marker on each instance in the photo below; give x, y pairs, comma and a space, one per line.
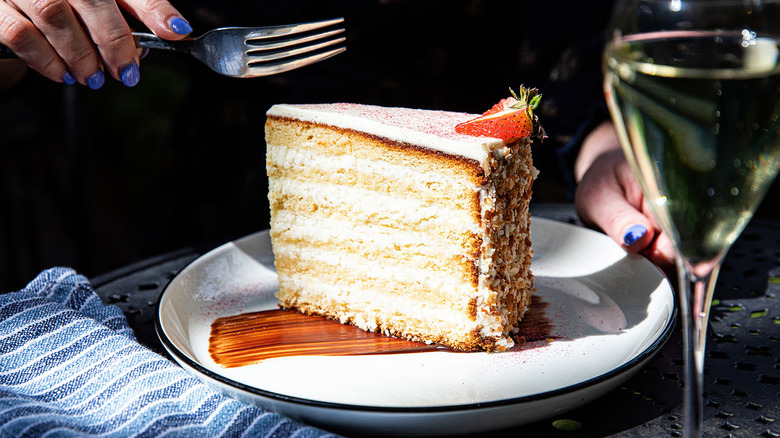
609, 198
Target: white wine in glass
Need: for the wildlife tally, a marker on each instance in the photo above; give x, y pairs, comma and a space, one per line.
693, 88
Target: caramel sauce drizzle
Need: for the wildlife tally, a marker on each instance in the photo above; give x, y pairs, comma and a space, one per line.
249, 338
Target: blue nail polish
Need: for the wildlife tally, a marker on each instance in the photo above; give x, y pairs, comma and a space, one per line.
144, 52
180, 26
68, 78
633, 233
96, 80
130, 75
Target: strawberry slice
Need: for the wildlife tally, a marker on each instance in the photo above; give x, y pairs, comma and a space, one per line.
510, 119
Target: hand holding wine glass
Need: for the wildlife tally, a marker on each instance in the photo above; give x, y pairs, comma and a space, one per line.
609, 198
694, 90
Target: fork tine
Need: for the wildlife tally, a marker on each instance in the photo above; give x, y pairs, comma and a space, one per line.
268, 45
254, 57
292, 29
260, 69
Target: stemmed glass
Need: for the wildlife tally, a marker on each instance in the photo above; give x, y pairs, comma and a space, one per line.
693, 87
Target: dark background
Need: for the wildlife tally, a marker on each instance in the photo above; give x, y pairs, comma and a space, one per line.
99, 179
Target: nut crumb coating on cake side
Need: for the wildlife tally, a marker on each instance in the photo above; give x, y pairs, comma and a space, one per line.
507, 252
387, 219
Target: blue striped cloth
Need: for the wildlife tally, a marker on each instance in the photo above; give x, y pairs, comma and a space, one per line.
70, 366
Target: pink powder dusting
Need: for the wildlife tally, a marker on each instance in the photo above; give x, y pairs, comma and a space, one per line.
439, 123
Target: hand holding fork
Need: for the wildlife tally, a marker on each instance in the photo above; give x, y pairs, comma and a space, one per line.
83, 41
74, 41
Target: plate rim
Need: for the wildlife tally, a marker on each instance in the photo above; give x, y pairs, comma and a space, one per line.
629, 365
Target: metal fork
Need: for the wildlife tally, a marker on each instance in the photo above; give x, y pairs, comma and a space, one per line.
247, 52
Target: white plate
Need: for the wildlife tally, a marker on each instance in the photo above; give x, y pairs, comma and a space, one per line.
612, 312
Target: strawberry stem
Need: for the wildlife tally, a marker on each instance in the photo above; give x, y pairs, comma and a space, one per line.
529, 98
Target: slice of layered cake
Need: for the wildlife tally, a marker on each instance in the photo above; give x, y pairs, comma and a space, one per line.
390, 220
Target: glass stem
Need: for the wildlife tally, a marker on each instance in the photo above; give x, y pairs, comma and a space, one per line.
695, 294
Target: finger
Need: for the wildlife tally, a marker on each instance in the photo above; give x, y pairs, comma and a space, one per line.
59, 25
109, 31
661, 251
159, 16
21, 36
607, 199
628, 183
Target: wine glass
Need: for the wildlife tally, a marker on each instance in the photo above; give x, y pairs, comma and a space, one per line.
693, 87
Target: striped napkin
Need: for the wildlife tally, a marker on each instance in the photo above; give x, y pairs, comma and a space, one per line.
70, 366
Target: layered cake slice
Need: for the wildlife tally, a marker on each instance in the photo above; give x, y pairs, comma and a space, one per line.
390, 220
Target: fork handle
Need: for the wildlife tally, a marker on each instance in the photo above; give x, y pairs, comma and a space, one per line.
147, 40
151, 41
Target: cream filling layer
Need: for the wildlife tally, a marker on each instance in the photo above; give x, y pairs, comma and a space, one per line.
373, 204
321, 229
360, 268
374, 303
295, 158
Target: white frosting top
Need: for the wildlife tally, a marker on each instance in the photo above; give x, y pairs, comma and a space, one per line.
426, 128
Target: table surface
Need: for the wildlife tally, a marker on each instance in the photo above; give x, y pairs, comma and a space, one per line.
742, 369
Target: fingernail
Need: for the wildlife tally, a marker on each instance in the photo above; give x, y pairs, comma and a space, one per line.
144, 52
634, 233
68, 78
130, 75
180, 26
96, 80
